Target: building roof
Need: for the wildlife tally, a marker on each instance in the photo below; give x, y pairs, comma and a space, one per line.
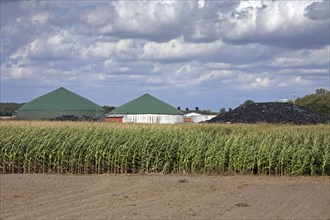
146, 104
60, 99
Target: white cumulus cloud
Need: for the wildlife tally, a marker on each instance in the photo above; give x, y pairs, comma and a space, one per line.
178, 48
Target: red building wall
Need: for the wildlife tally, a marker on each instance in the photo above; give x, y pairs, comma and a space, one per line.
114, 119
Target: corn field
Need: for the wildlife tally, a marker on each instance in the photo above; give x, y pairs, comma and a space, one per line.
97, 148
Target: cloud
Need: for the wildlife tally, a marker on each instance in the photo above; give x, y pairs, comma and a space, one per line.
123, 49
210, 52
201, 3
318, 10
146, 19
277, 23
178, 49
158, 21
302, 58
301, 81
265, 81
98, 17
60, 46
16, 73
307, 71
41, 18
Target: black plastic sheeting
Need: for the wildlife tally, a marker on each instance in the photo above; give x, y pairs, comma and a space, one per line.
73, 118
271, 112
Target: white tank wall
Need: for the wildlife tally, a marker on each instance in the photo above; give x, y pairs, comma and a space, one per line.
153, 119
200, 118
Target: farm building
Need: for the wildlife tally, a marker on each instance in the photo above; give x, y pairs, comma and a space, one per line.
58, 103
146, 109
194, 117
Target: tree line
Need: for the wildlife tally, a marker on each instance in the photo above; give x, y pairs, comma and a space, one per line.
318, 101
8, 109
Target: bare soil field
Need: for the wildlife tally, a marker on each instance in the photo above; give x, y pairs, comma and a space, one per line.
42, 196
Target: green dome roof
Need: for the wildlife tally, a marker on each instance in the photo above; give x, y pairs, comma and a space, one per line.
60, 99
146, 104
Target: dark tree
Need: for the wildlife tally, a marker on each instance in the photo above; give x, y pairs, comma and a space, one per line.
319, 101
8, 109
247, 102
108, 109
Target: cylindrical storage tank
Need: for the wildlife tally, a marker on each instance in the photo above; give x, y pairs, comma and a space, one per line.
150, 110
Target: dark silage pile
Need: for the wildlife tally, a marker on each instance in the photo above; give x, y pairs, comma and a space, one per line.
272, 112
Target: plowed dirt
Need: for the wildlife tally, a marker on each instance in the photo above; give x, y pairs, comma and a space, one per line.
41, 196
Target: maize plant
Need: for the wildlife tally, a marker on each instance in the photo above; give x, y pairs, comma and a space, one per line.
95, 148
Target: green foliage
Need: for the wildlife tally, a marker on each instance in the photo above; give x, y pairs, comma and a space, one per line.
247, 102
80, 148
8, 109
319, 101
108, 109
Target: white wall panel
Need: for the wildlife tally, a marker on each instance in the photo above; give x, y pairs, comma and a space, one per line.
153, 119
200, 118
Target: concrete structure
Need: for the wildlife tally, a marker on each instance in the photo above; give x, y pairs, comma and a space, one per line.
194, 117
147, 109
58, 103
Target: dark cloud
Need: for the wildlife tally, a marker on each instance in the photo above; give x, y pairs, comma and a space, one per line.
318, 10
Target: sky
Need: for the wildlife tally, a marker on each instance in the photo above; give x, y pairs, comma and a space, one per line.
204, 53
